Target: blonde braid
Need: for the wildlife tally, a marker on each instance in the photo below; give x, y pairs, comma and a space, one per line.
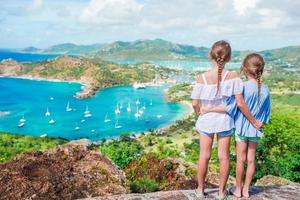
258, 79
220, 62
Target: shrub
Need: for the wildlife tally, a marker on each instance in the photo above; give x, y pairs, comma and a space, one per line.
143, 185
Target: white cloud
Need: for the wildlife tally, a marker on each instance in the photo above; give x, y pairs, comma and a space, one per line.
241, 6
110, 12
199, 22
36, 5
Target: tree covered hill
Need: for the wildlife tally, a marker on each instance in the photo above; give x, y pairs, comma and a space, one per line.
159, 49
93, 73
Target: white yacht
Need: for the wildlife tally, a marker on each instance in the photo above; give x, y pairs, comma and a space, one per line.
128, 107
137, 114
47, 113
22, 120
87, 115
52, 121
86, 110
68, 108
43, 135
106, 119
117, 110
144, 107
21, 125
137, 102
117, 125
139, 85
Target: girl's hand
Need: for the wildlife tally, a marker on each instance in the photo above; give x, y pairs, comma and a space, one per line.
205, 109
258, 124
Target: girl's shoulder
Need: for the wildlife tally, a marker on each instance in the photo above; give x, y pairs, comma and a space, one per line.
265, 89
206, 75
232, 75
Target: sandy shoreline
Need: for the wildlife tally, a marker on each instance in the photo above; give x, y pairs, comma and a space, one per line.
43, 79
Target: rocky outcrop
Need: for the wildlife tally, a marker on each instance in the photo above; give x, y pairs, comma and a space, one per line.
274, 180
69, 172
257, 193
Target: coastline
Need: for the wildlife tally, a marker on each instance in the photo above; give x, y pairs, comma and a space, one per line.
85, 92
188, 110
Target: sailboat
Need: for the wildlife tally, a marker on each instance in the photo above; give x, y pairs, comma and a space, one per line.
141, 111
128, 107
52, 121
106, 118
22, 120
77, 128
117, 125
137, 102
121, 106
87, 113
158, 116
137, 114
151, 102
47, 113
86, 110
117, 110
21, 125
144, 107
43, 135
68, 108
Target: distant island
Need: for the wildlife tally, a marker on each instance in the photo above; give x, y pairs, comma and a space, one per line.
94, 73
159, 49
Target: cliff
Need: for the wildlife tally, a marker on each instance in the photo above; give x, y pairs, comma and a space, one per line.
70, 171
285, 192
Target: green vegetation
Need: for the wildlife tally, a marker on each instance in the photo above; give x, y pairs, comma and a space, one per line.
143, 185
12, 145
122, 152
180, 92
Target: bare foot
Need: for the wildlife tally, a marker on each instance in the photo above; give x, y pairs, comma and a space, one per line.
246, 192
199, 192
236, 192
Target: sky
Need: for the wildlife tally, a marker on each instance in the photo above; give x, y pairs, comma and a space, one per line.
246, 24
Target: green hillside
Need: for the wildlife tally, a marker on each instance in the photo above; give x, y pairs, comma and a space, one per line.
69, 48
157, 49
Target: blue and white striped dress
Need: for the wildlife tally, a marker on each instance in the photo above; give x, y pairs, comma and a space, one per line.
261, 112
214, 122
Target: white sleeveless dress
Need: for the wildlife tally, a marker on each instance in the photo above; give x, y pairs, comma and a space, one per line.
213, 122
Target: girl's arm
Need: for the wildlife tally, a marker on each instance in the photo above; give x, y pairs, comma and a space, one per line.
245, 110
196, 106
219, 109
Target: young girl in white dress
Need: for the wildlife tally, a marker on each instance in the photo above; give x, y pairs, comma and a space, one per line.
214, 88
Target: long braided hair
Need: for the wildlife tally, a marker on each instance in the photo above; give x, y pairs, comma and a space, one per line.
221, 53
253, 65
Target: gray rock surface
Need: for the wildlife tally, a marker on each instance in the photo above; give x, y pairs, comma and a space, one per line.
286, 192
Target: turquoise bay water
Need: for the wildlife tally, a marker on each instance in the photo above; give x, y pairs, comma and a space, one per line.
180, 64
31, 99
25, 57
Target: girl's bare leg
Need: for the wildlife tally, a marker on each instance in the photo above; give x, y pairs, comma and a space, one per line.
241, 155
223, 154
205, 153
250, 167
